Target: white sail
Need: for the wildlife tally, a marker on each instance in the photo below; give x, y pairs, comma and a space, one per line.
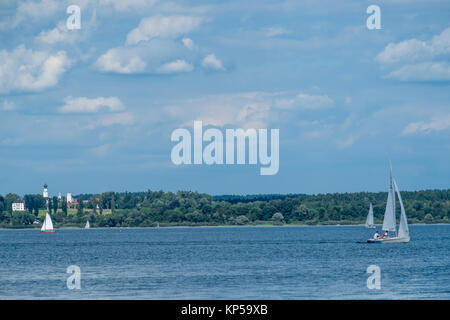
47, 225
369, 220
87, 226
403, 231
389, 214
43, 226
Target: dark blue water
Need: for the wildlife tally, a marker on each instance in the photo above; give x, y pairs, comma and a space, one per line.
224, 263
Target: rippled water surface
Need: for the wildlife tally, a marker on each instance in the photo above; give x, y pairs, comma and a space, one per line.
315, 262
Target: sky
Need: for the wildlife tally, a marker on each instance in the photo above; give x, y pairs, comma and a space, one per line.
91, 110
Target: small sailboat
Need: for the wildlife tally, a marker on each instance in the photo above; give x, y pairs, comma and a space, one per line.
389, 222
87, 226
369, 220
47, 226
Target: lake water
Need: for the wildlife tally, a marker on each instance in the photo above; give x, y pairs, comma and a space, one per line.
314, 262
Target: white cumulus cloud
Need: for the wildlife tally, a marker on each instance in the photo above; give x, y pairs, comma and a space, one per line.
427, 71
158, 56
416, 50
211, 62
27, 70
188, 43
425, 127
83, 105
55, 35
36, 10
162, 27
417, 60
175, 66
119, 61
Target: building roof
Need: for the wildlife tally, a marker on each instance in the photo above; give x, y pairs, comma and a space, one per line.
19, 201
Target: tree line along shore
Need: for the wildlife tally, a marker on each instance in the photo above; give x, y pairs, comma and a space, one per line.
186, 208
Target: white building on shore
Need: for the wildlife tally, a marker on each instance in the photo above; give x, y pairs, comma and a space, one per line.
18, 205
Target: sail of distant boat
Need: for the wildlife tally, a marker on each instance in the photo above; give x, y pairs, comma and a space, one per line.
389, 222
389, 213
47, 226
87, 226
369, 220
403, 230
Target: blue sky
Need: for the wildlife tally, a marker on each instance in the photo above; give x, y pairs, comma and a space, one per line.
92, 110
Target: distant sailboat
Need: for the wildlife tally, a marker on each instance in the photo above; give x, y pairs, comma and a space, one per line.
87, 226
389, 223
47, 226
369, 220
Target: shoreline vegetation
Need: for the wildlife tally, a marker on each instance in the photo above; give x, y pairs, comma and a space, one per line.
192, 209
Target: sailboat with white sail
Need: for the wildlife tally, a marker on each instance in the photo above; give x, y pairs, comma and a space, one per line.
389, 222
47, 226
87, 226
369, 219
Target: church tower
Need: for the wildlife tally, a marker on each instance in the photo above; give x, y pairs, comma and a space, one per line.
45, 193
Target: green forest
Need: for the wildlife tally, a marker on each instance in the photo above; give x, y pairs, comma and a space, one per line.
186, 208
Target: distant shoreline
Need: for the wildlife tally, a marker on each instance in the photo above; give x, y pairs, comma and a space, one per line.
226, 226
193, 209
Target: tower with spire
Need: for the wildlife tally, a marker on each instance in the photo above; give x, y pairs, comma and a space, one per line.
45, 193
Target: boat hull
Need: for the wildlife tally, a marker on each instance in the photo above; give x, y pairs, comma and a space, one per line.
48, 231
389, 240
